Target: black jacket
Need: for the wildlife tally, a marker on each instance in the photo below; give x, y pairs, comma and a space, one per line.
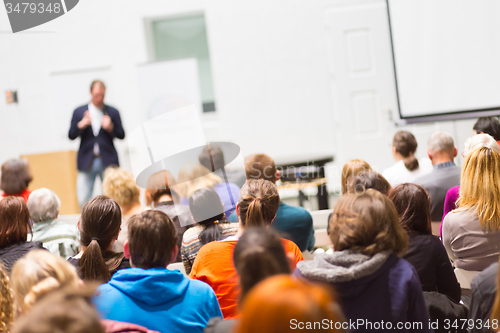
12, 253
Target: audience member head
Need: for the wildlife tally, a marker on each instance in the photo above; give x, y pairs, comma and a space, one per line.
64, 311
99, 227
43, 205
258, 255
441, 148
37, 274
261, 166
159, 185
120, 186
370, 179
413, 206
15, 177
152, 240
488, 125
367, 223
6, 302
480, 186
279, 301
353, 168
207, 210
479, 141
404, 146
194, 176
14, 221
212, 154
258, 203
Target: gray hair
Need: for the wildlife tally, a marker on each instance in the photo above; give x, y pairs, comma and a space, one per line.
479, 141
440, 141
43, 205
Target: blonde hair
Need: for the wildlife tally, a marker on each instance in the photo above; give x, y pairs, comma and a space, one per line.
194, 176
352, 168
38, 273
6, 302
478, 141
480, 187
120, 186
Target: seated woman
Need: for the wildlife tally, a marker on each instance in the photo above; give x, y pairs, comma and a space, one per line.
194, 176
14, 228
259, 201
425, 252
369, 179
120, 186
99, 227
284, 304
15, 179
37, 274
351, 169
160, 195
471, 233
407, 168
208, 213
372, 282
471, 144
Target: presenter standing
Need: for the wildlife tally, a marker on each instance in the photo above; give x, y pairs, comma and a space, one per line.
97, 124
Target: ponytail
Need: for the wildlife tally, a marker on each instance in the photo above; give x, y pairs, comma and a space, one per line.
254, 217
411, 163
259, 202
211, 232
92, 265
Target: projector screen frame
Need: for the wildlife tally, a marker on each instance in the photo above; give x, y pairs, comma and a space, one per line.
432, 117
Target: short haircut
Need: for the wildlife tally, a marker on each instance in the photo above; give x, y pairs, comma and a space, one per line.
66, 311
352, 168
260, 166
212, 154
120, 186
479, 141
413, 206
406, 144
488, 125
258, 203
369, 179
99, 82
152, 237
15, 176
14, 221
43, 205
367, 223
440, 141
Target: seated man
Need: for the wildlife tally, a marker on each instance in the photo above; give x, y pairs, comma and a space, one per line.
58, 237
445, 175
149, 294
295, 223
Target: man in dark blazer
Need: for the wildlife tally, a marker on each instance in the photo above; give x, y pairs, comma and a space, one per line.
445, 175
97, 124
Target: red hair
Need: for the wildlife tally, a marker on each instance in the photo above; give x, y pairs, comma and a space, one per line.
293, 301
14, 221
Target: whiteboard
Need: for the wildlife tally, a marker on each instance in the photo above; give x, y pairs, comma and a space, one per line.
446, 56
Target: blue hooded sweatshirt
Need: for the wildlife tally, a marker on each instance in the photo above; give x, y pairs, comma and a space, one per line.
159, 299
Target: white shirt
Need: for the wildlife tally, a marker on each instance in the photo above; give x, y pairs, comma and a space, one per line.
399, 174
96, 120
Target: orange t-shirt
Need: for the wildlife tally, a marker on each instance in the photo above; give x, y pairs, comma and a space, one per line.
214, 266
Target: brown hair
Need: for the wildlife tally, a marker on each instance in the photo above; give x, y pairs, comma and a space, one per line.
14, 221
6, 301
259, 202
369, 179
413, 206
367, 223
406, 144
16, 176
99, 225
152, 237
158, 185
66, 311
260, 166
352, 168
210, 156
274, 304
97, 82
258, 255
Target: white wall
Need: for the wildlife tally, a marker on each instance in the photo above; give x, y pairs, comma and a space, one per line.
270, 65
